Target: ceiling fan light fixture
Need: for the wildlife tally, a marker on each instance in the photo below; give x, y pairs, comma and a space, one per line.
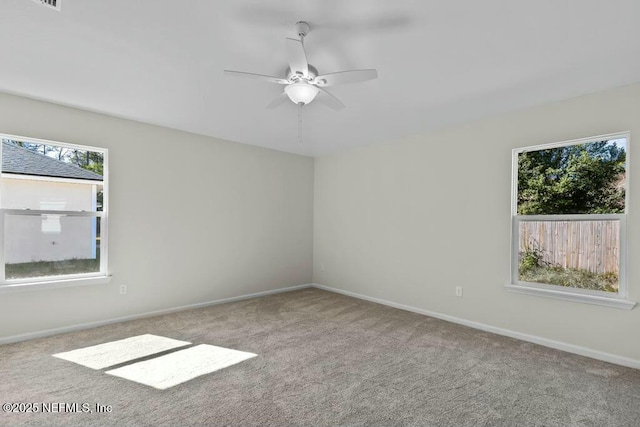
301, 92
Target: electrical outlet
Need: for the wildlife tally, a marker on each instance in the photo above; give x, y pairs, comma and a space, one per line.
123, 289
459, 291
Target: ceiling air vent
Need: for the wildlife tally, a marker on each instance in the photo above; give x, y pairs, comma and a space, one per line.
51, 4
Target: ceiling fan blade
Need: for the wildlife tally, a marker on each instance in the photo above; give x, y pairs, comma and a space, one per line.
297, 58
279, 100
329, 100
256, 76
343, 77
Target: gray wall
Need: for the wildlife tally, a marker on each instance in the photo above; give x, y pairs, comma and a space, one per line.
409, 220
192, 219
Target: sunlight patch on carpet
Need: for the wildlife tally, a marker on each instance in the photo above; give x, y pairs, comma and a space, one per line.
175, 368
115, 352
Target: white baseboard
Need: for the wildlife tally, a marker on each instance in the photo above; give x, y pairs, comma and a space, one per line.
80, 326
558, 345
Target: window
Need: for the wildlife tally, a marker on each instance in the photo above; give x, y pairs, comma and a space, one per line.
53, 213
569, 219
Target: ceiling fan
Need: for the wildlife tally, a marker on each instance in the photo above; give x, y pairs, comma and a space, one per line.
302, 82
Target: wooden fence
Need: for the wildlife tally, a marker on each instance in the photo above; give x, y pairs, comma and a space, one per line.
589, 245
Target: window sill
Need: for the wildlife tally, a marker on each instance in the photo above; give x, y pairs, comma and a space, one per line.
54, 284
614, 302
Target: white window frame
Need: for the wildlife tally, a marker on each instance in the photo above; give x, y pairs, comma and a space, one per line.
49, 282
617, 300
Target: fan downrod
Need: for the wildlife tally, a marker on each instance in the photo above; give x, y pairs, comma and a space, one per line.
302, 29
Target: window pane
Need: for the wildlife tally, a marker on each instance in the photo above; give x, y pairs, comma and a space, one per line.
577, 254
50, 245
50, 196
575, 179
50, 177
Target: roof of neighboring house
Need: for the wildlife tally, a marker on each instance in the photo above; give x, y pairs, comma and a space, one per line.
21, 161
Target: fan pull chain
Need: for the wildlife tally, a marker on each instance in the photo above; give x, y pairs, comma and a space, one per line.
300, 104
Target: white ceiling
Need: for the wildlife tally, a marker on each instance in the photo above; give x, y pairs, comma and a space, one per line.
440, 62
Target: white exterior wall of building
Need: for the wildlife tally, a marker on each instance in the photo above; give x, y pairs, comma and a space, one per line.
48, 237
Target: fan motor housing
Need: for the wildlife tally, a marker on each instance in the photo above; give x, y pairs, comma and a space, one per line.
294, 77
302, 28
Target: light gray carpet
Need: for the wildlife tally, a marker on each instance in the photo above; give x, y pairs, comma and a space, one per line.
327, 360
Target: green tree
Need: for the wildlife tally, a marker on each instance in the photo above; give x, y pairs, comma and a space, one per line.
576, 179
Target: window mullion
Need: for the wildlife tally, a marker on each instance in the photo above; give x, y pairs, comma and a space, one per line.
571, 217
36, 212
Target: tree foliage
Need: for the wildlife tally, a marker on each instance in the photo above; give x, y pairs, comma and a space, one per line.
576, 179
